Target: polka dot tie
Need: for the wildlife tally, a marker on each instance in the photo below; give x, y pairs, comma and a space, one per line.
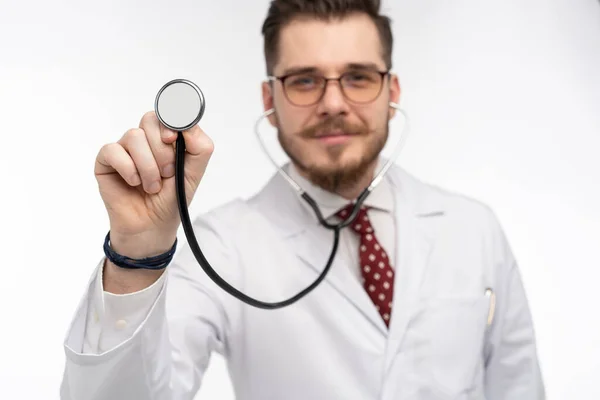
378, 275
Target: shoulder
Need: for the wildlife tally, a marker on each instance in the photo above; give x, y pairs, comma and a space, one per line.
463, 215
225, 215
424, 197
232, 220
463, 227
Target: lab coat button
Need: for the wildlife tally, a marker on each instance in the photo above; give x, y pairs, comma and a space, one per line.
120, 324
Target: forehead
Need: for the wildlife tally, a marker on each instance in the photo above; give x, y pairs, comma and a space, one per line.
329, 45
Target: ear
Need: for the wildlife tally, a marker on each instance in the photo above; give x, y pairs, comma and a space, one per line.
268, 101
394, 93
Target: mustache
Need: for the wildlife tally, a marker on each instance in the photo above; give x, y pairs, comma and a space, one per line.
331, 124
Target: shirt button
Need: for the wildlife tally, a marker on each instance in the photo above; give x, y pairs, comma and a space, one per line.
120, 324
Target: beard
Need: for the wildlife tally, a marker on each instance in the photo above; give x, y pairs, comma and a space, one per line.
336, 174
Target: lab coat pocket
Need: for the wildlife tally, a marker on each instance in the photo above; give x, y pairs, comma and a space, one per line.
448, 337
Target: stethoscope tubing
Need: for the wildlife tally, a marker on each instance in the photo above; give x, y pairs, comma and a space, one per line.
336, 228
205, 264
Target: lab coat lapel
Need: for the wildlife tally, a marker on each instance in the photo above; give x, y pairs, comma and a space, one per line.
415, 245
412, 256
339, 276
312, 244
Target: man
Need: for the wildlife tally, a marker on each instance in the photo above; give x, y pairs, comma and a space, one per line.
424, 300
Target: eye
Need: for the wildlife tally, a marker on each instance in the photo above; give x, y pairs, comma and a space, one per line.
360, 78
303, 81
356, 76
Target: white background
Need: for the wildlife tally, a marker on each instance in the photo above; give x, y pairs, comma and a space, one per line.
504, 99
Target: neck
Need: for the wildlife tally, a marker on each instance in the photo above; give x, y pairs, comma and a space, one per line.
350, 190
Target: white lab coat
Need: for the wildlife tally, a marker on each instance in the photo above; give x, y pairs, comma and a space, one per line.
332, 344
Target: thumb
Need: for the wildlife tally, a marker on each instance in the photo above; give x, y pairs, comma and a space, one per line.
198, 150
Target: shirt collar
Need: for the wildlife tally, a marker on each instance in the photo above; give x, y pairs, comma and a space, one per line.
330, 203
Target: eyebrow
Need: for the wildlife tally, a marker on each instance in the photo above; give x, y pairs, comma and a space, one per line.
310, 69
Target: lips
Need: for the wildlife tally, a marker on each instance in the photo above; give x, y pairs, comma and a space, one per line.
331, 134
333, 138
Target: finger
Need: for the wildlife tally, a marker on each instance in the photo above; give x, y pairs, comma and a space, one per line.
164, 153
113, 158
199, 148
136, 144
167, 135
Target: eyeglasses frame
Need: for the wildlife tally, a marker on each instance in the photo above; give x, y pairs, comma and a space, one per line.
282, 79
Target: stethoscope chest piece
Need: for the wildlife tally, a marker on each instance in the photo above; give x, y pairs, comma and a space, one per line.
179, 104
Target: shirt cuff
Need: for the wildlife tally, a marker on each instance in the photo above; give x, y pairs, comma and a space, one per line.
118, 316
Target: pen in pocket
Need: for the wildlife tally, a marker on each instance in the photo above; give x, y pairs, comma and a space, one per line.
492, 296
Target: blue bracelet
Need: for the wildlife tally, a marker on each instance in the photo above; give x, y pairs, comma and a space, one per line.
156, 262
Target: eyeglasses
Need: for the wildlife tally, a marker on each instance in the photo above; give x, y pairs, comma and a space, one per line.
306, 89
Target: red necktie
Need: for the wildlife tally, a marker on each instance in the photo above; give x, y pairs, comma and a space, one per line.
374, 263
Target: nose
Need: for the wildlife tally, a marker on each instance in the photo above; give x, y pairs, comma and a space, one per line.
333, 102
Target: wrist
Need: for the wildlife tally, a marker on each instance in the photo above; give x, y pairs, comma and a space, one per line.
119, 280
142, 245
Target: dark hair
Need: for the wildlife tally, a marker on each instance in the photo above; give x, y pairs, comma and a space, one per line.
281, 12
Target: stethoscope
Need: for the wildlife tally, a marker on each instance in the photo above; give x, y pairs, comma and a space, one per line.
180, 105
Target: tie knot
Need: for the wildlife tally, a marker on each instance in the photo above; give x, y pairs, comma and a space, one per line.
361, 223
